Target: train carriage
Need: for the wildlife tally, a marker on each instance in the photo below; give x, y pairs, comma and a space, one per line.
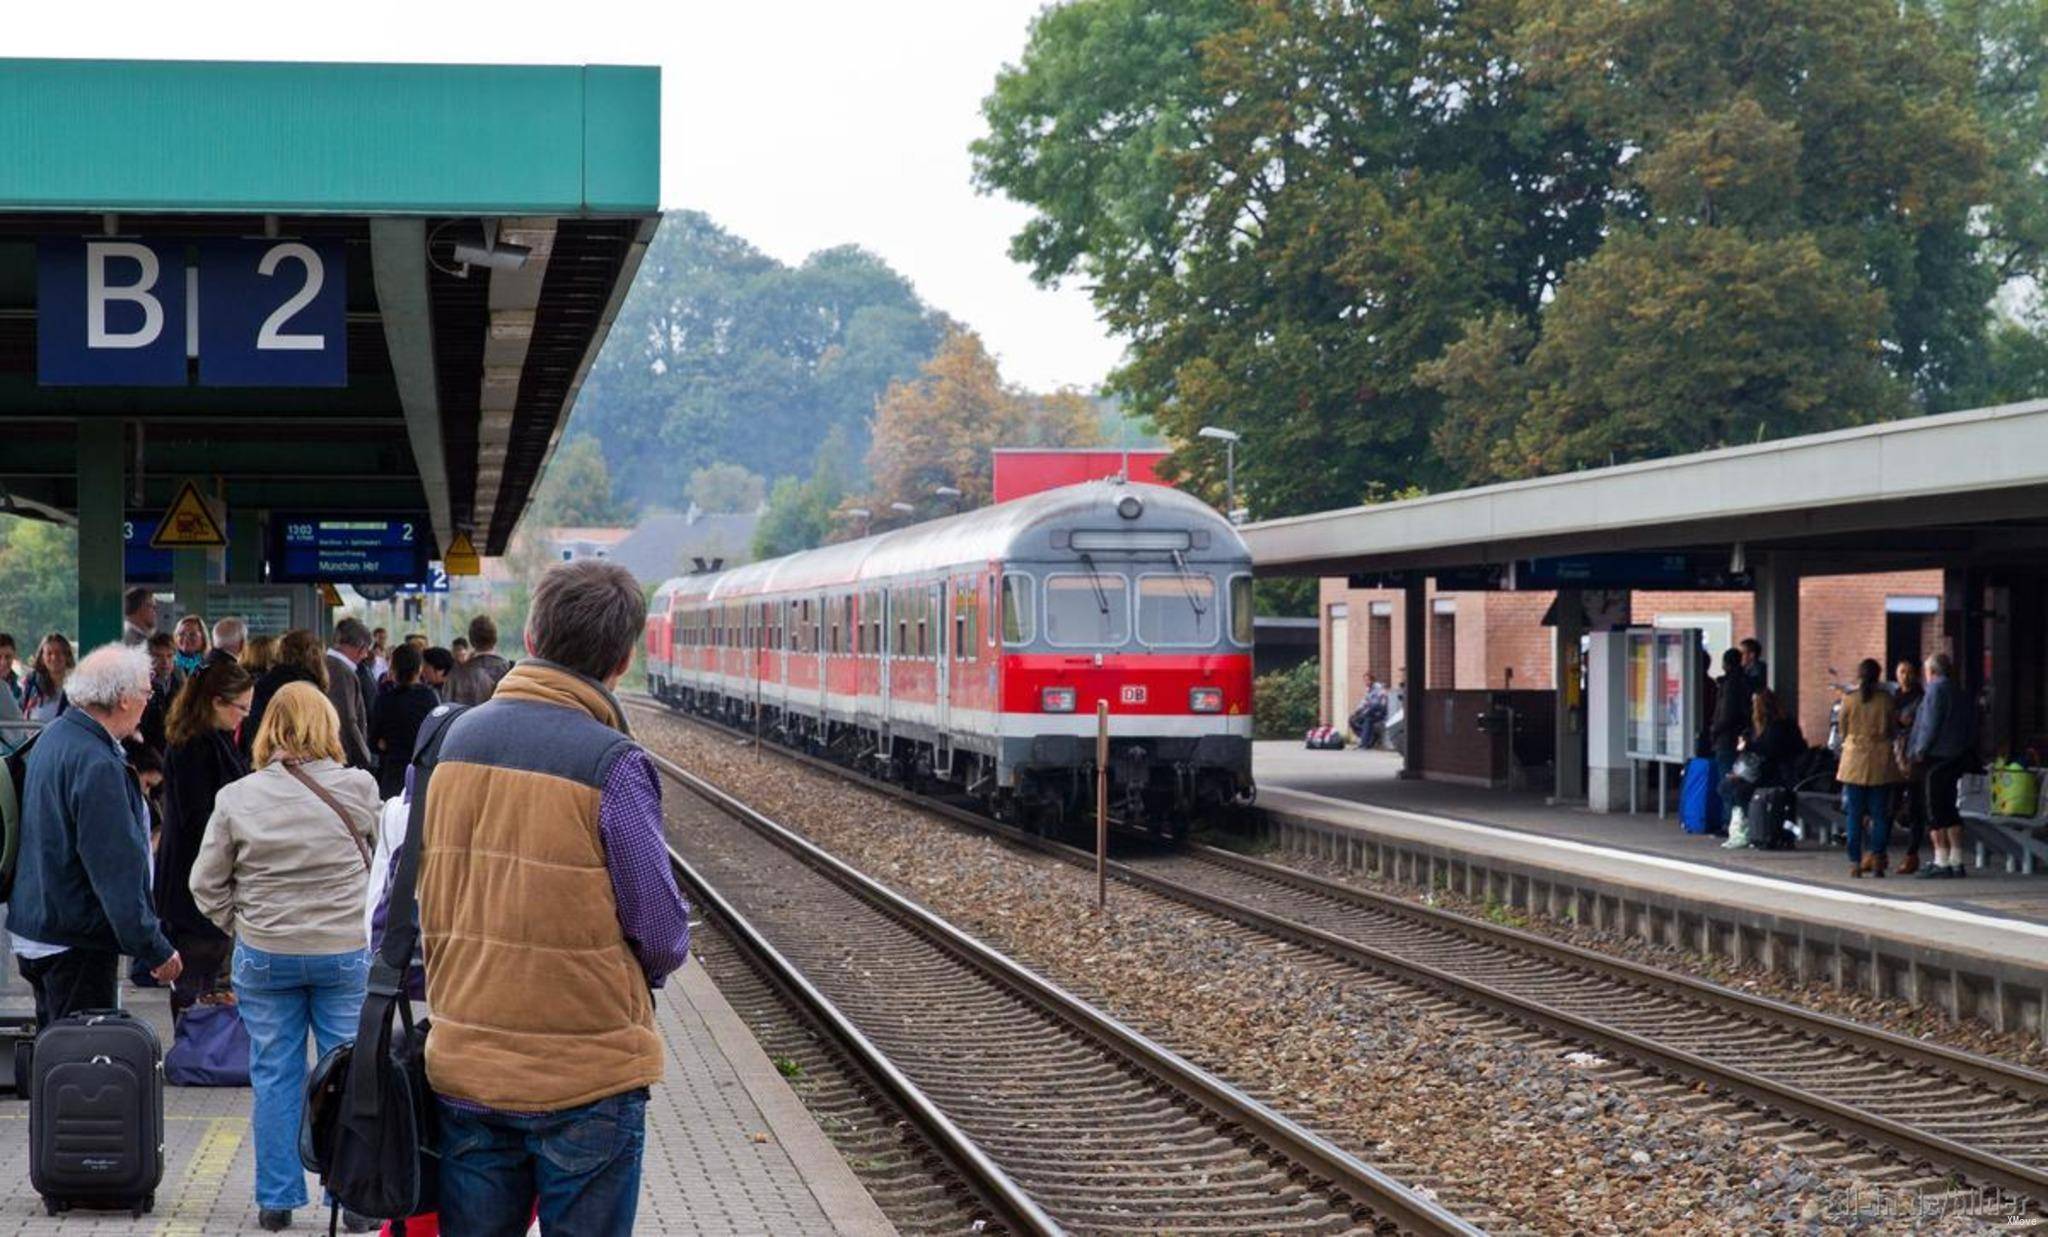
972, 651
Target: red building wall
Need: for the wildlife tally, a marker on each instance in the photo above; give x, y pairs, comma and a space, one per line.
1020, 471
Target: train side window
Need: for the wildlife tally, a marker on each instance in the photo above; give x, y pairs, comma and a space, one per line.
961, 646
1017, 610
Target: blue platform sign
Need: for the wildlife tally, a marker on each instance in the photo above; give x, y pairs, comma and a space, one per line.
266, 312
110, 313
348, 549
273, 314
142, 563
436, 581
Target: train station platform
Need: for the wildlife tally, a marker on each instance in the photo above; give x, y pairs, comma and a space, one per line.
1978, 945
730, 1147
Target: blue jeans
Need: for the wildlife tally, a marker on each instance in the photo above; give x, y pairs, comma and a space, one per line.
581, 1164
1876, 803
281, 996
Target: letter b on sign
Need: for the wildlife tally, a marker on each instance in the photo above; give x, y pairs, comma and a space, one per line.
110, 313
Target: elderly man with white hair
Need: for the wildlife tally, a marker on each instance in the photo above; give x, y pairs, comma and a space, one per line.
230, 635
81, 888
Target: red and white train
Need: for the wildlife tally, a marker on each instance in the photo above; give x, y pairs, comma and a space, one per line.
973, 650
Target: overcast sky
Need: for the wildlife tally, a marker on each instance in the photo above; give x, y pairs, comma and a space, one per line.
799, 124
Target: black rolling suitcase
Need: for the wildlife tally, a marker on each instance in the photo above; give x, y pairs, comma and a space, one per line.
96, 1113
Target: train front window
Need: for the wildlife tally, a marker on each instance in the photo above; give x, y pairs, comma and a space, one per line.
1085, 611
1177, 610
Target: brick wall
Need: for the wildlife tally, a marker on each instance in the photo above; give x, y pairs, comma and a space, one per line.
1842, 621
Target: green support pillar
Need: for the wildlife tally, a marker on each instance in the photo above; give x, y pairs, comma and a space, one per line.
102, 508
245, 545
188, 581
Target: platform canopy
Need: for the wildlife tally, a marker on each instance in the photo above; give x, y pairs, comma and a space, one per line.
456, 380
1952, 490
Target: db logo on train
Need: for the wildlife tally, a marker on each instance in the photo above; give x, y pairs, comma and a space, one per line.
1133, 693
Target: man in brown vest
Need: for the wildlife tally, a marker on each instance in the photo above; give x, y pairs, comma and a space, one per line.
549, 914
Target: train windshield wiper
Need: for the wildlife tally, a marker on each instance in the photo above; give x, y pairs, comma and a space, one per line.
1095, 582
1187, 583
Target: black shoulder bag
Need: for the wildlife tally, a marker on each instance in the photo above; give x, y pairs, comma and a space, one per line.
368, 1129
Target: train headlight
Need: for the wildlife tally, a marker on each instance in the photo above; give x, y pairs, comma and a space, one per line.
1130, 506
1056, 699
1205, 699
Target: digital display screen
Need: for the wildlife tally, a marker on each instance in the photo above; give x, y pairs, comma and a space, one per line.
349, 549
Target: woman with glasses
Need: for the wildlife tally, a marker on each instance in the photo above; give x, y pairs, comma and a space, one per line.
203, 756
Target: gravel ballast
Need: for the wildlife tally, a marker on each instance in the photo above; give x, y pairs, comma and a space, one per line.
1504, 1124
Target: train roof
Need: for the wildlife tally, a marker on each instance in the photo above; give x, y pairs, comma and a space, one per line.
1013, 530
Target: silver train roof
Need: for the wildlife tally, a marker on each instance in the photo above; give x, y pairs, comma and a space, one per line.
1019, 529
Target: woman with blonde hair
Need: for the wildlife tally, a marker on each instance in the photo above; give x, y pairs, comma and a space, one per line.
284, 869
300, 659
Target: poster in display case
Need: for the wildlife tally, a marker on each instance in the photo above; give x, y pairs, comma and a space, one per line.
1663, 693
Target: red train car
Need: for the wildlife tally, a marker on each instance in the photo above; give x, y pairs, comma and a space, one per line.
972, 651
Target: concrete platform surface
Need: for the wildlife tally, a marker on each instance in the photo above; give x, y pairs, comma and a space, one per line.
730, 1148
1989, 912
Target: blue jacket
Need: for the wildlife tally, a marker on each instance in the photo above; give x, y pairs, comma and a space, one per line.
1946, 724
83, 876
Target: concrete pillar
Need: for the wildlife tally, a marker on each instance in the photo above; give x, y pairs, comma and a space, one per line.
1570, 612
1415, 628
1777, 625
102, 509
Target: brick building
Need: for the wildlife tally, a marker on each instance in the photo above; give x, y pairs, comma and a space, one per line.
1497, 640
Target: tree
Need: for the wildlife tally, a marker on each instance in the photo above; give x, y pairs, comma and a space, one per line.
942, 427
1401, 242
722, 355
38, 580
802, 514
1286, 208
576, 490
726, 488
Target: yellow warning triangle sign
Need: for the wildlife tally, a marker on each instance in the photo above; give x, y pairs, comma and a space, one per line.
461, 558
189, 525
329, 595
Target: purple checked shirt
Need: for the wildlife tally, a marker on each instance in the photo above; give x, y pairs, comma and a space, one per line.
652, 912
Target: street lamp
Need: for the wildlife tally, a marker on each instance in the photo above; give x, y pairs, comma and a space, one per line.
949, 491
859, 513
1229, 439
903, 508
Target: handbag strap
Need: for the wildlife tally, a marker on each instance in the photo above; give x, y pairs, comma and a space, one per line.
340, 813
402, 916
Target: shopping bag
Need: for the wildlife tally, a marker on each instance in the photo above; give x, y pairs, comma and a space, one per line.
210, 1048
2015, 791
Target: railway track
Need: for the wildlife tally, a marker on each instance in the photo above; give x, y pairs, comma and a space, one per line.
1954, 1112
1059, 1117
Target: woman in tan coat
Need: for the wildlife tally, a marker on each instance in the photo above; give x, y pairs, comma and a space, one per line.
1868, 768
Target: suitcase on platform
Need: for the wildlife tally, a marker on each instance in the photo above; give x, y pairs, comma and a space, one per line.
1699, 807
96, 1114
1770, 816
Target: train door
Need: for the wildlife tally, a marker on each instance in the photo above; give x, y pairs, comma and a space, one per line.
822, 633
941, 626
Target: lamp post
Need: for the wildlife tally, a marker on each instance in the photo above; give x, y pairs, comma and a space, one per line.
949, 491
862, 514
903, 508
1229, 439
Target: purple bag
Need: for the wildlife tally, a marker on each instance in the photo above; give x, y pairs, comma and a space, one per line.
210, 1049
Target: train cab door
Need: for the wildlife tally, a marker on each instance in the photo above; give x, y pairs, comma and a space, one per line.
822, 632
941, 626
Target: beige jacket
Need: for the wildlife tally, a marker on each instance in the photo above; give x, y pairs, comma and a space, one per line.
275, 868
1867, 730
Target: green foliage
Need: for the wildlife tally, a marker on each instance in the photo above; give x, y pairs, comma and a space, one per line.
576, 491
726, 488
38, 581
723, 355
801, 514
1409, 242
1285, 597
1287, 703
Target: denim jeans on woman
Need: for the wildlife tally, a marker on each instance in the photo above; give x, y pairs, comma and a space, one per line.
282, 997
582, 1165
1874, 802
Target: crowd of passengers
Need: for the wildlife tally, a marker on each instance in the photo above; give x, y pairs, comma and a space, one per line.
1900, 750
222, 810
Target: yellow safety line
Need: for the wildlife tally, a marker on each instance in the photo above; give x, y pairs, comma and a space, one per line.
204, 1177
